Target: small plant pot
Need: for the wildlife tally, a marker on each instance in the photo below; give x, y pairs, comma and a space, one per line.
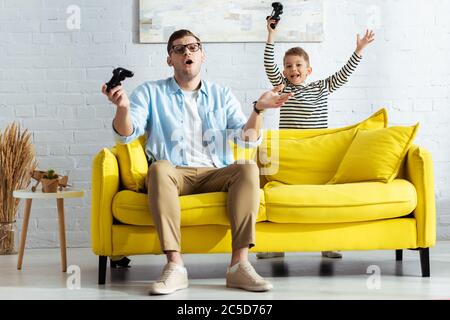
49, 185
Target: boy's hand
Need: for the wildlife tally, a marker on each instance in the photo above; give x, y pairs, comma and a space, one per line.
269, 22
272, 99
271, 31
362, 43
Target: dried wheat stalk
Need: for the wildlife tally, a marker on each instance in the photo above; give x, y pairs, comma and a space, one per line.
17, 162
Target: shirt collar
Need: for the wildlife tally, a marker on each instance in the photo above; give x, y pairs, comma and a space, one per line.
174, 87
303, 84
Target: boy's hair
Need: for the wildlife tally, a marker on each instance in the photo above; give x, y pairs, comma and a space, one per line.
178, 35
297, 51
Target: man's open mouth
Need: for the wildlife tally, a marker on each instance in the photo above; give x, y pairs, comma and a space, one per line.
189, 62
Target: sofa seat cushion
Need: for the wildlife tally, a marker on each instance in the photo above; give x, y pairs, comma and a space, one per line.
350, 202
130, 207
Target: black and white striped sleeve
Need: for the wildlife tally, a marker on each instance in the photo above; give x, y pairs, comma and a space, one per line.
340, 78
272, 71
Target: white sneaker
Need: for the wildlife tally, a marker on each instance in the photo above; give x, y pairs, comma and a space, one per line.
331, 254
174, 277
243, 276
268, 255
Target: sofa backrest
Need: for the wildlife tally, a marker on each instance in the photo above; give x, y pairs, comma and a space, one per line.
309, 156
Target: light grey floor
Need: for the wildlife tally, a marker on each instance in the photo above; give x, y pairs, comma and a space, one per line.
297, 276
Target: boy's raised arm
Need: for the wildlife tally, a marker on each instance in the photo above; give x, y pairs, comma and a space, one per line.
341, 77
272, 71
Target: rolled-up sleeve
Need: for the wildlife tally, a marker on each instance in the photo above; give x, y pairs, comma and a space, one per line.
139, 113
236, 122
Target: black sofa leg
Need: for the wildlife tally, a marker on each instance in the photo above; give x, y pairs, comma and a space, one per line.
102, 269
399, 255
425, 261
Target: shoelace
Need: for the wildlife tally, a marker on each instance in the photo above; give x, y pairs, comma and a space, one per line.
251, 272
167, 273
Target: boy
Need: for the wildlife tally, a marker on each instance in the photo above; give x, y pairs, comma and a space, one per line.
308, 107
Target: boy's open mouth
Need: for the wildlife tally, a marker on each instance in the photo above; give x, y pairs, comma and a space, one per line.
189, 62
295, 76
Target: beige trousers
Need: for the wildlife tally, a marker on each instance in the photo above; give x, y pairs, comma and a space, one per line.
166, 182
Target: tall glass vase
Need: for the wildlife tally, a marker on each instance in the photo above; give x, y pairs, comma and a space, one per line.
7, 237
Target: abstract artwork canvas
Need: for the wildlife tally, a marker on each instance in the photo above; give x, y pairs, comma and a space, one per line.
230, 20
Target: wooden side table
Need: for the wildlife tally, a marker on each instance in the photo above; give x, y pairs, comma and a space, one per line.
28, 195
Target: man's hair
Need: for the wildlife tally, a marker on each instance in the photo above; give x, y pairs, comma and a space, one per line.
297, 51
178, 35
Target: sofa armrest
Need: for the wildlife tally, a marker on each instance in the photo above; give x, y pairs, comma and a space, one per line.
419, 171
105, 185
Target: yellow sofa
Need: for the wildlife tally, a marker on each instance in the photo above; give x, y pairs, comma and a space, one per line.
299, 211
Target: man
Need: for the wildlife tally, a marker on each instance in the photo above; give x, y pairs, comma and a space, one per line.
188, 121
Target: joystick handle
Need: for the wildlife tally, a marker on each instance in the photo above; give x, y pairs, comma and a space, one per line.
275, 15
119, 74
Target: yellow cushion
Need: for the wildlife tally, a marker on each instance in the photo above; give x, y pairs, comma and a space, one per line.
133, 165
350, 202
375, 155
200, 209
309, 156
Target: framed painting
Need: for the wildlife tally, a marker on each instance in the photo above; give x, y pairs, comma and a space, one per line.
229, 20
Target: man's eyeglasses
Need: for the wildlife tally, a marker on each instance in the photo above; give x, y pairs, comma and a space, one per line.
192, 47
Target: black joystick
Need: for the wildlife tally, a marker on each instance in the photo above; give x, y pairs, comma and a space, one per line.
119, 74
275, 15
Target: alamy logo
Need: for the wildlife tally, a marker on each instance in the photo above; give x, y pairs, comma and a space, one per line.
74, 280
74, 20
269, 153
374, 280
217, 144
374, 19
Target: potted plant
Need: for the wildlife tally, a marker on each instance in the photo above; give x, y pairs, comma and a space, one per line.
50, 181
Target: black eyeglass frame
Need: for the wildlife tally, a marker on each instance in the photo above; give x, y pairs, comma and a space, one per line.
184, 47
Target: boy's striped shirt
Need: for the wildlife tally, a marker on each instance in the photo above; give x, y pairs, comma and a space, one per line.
308, 108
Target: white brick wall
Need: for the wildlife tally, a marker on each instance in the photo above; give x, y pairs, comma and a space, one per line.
50, 79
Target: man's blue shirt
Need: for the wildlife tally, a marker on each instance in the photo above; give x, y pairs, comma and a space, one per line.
157, 108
